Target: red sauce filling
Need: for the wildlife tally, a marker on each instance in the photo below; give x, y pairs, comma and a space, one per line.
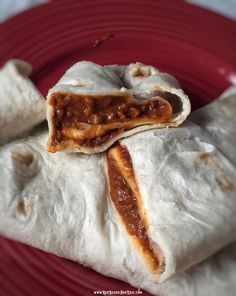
98, 119
126, 203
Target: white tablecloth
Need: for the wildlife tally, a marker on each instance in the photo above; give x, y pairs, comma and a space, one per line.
12, 7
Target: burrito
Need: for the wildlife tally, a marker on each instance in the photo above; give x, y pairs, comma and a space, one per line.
154, 210
93, 106
218, 121
21, 105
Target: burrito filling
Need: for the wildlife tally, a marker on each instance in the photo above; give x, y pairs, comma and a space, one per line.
126, 197
90, 120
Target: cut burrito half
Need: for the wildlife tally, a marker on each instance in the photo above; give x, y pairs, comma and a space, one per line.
93, 106
21, 105
156, 204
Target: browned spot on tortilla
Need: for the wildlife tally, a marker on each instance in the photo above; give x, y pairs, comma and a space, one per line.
79, 84
140, 72
225, 183
204, 157
127, 199
24, 207
158, 89
23, 159
223, 180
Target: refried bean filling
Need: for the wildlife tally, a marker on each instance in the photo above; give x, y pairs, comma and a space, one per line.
126, 202
89, 120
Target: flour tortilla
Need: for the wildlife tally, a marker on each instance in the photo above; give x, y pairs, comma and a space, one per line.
219, 122
189, 194
139, 80
21, 105
187, 177
191, 207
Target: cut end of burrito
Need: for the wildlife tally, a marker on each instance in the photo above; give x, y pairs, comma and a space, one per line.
90, 121
127, 199
83, 118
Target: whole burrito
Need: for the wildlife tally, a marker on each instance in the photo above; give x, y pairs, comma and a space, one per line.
154, 210
21, 105
93, 106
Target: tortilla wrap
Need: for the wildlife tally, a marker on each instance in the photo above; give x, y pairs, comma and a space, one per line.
219, 122
93, 106
185, 199
21, 105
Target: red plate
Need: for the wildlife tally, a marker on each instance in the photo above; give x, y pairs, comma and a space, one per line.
195, 45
